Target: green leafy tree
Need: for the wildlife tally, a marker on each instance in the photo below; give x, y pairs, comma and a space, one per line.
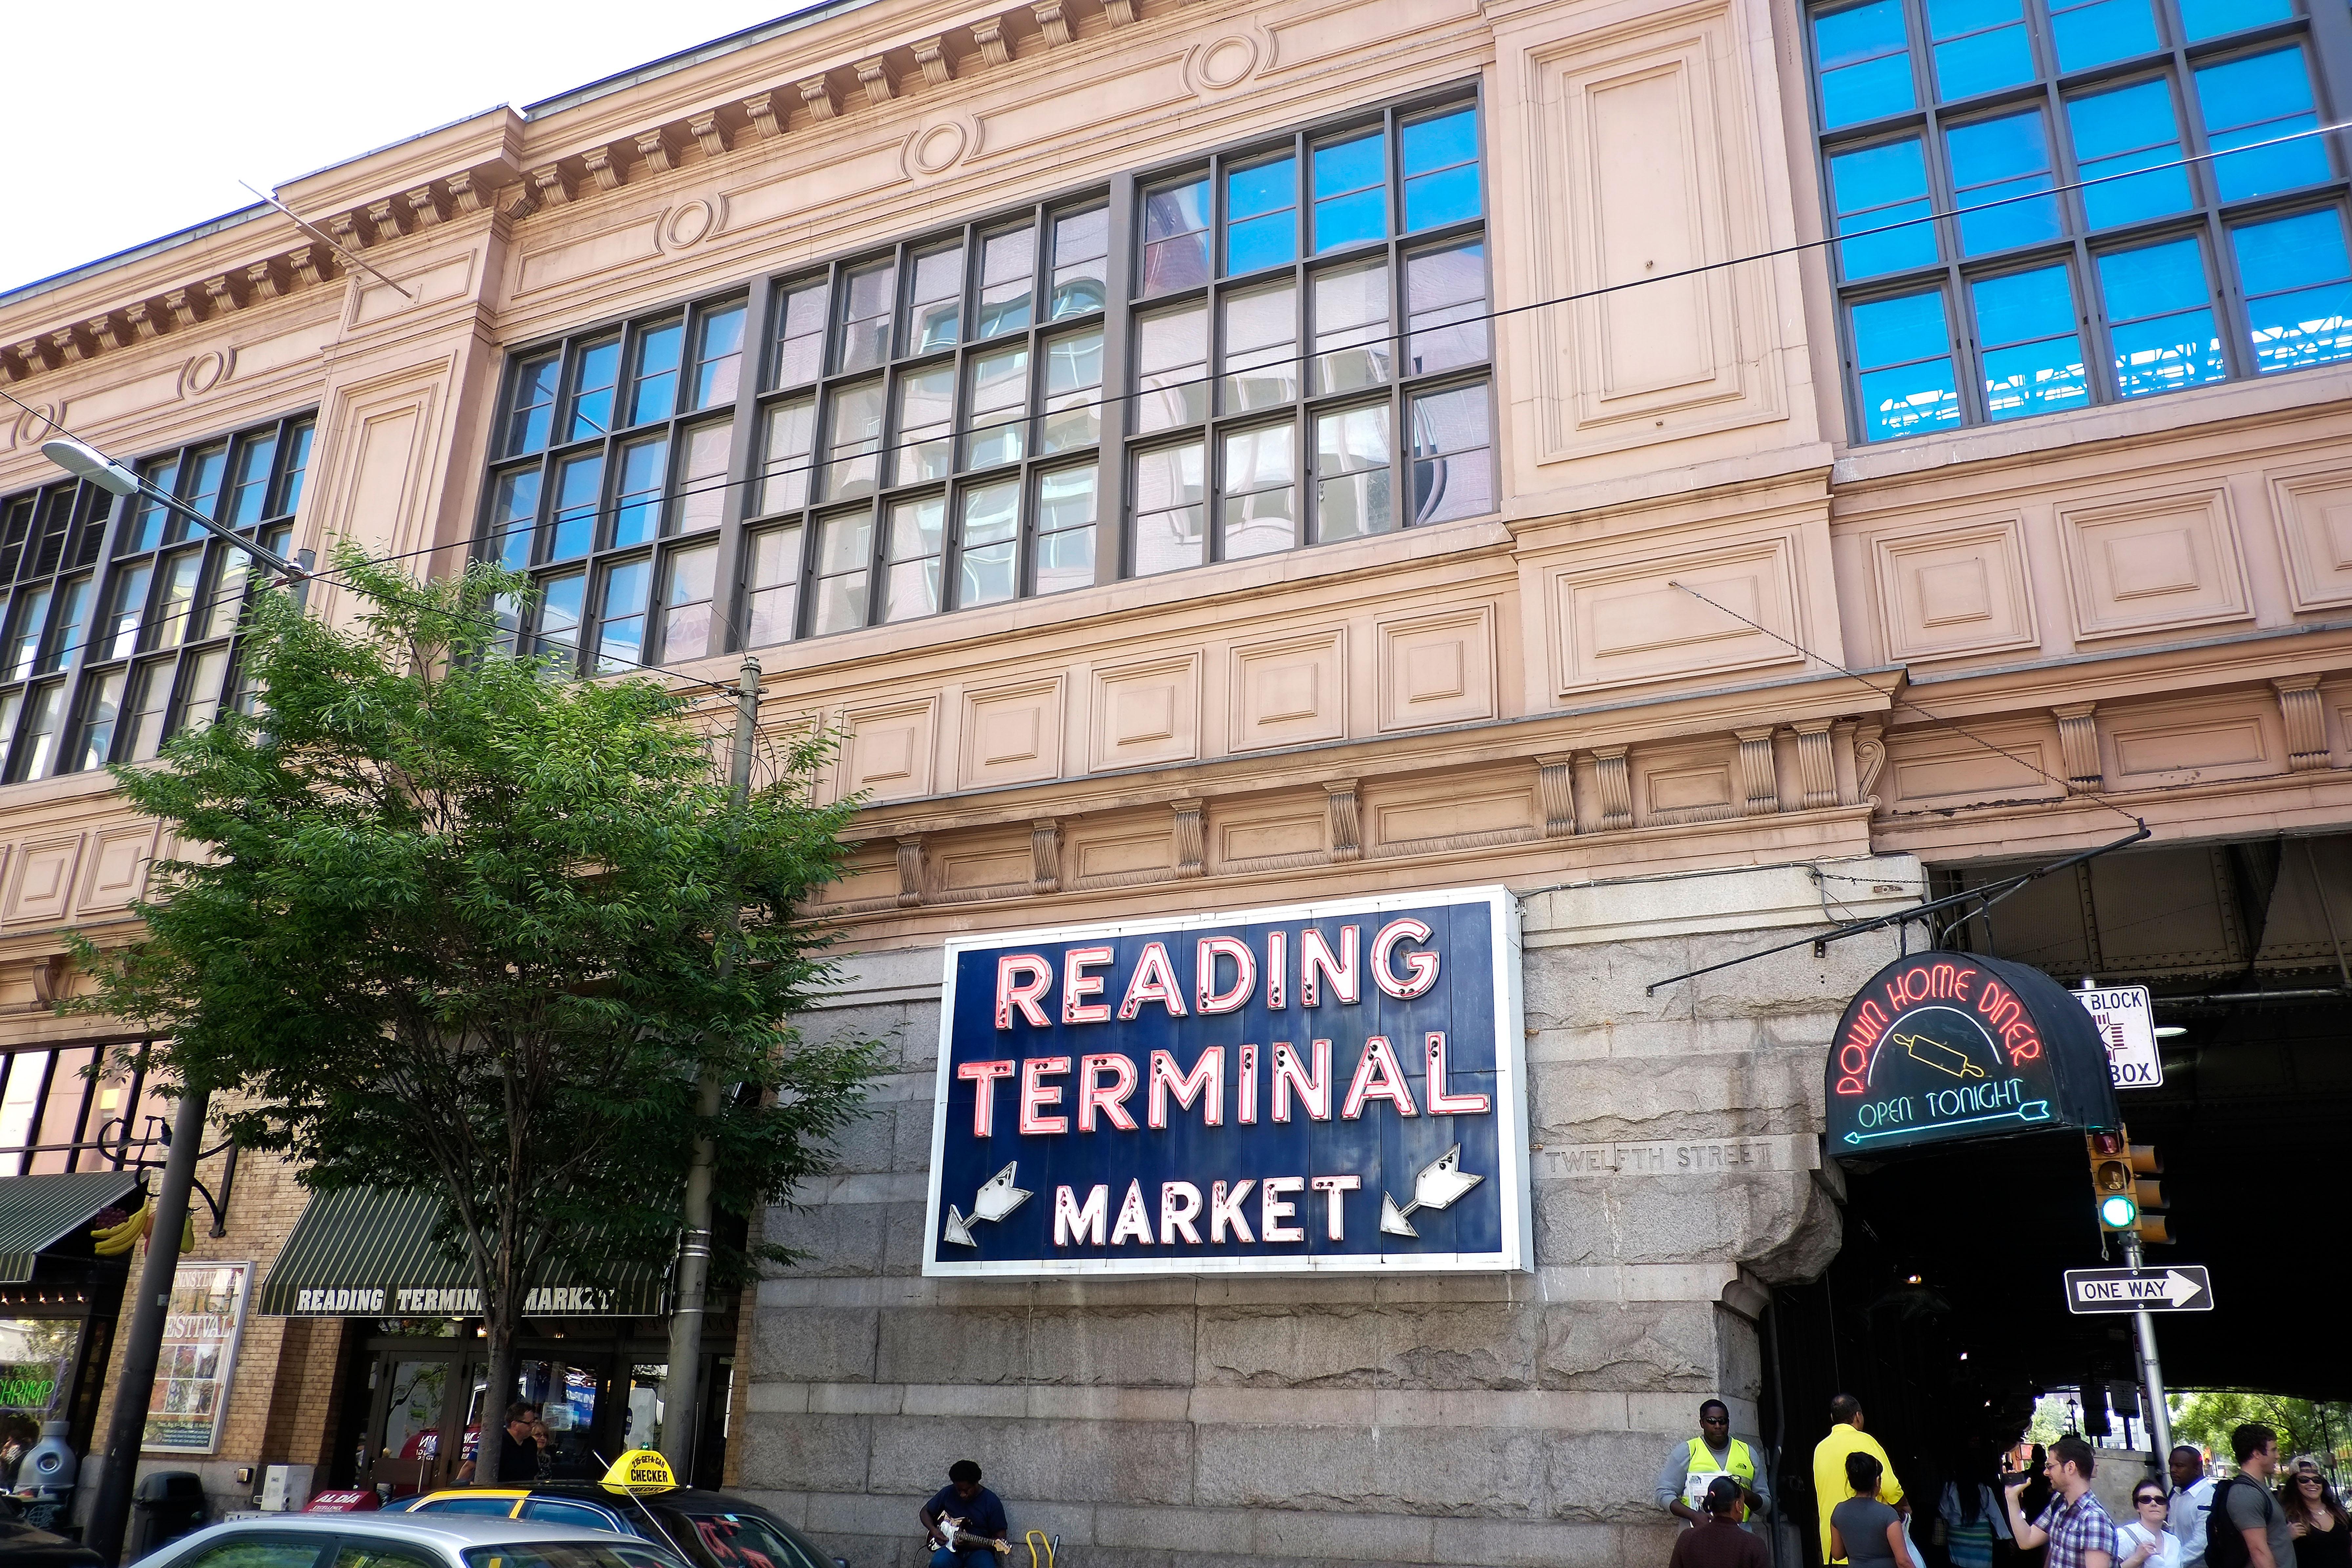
453, 923
2304, 1426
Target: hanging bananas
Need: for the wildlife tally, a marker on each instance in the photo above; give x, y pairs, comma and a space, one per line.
117, 1240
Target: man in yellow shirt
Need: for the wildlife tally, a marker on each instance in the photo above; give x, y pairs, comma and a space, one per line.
1846, 1437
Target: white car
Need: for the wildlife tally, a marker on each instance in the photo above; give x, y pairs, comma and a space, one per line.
404, 1541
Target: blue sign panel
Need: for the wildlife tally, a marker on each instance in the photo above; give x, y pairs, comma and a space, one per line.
1328, 1086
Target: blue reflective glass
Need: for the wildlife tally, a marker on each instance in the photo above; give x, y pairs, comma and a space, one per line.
2298, 288
1351, 196
2033, 353
1904, 351
656, 392
637, 508
1877, 187
591, 397
1441, 170
2211, 18
577, 482
1865, 63
2102, 30
2258, 98
1262, 215
1980, 45
2131, 127
1995, 160
561, 599
2160, 318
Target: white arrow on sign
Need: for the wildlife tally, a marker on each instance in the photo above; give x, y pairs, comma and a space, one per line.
2186, 1288
2178, 1287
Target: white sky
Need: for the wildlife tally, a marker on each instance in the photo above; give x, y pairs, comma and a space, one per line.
132, 119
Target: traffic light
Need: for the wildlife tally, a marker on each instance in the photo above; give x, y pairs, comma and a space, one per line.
2122, 1174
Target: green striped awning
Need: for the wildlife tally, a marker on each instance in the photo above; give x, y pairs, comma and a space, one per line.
360, 1253
38, 1211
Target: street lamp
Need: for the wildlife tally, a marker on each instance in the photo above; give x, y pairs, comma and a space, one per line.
126, 1433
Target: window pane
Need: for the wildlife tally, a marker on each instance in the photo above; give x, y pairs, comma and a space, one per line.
105, 700
991, 533
853, 466
150, 703
297, 464
936, 306
30, 618
1008, 269
1175, 237
1452, 455
592, 400
248, 496
119, 630
719, 358
800, 334
844, 543
1353, 493
1351, 191
1441, 170
926, 420
775, 581
1171, 363
2256, 99
1262, 215
2033, 352
2209, 18
2131, 127
1352, 346
2160, 316
1993, 161
1073, 393
1258, 507
999, 404
2093, 32
560, 601
12, 708
1865, 63
654, 391
1170, 515
146, 530
1877, 187
514, 506
1261, 349
791, 435
40, 746
1980, 45
917, 532
620, 619
201, 700
578, 481
1066, 530
1445, 295
178, 598
231, 570
1081, 261
702, 469
865, 300
533, 404
2298, 289
637, 509
66, 625
200, 486
1902, 351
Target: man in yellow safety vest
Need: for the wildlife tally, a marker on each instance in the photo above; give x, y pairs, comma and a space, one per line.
1682, 1479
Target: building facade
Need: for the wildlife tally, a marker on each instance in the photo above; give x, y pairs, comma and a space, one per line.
1203, 456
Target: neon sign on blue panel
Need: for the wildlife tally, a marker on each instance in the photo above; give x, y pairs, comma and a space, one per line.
1325, 1086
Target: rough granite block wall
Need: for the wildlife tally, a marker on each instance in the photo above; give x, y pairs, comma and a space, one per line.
1492, 1419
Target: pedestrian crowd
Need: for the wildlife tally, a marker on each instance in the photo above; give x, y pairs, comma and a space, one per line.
2033, 1507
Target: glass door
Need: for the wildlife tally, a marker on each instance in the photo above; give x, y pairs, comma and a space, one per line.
407, 1448
570, 1394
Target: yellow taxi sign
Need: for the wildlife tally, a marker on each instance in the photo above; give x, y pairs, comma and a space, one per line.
640, 1470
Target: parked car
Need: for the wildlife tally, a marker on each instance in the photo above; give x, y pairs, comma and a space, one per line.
24, 1545
404, 1541
711, 1527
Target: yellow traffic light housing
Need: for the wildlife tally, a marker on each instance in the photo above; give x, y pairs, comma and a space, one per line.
2148, 1195
2125, 1192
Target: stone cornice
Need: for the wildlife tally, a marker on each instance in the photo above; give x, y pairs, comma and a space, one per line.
497, 161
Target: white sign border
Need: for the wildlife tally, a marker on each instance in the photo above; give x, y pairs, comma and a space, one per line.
235, 1343
1516, 1254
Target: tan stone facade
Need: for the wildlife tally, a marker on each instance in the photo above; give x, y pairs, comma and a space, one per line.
1713, 671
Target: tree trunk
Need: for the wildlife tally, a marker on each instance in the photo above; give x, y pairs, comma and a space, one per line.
496, 1394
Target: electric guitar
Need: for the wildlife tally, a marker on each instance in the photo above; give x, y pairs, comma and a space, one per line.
961, 1540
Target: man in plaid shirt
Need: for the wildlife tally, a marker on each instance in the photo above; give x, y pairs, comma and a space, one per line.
2076, 1524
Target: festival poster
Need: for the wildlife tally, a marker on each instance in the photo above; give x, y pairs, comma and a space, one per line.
197, 1357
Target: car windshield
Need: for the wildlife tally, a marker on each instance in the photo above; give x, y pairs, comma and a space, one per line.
739, 1541
566, 1554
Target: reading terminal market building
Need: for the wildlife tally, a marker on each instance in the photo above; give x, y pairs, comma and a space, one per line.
1361, 553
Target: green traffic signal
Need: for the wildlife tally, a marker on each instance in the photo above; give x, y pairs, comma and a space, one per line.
2118, 1212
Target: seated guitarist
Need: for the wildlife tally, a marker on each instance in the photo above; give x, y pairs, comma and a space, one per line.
980, 1511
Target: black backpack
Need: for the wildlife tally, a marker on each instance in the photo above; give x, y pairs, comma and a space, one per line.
2225, 1544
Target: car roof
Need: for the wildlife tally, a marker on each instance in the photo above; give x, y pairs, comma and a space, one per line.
452, 1530
691, 1499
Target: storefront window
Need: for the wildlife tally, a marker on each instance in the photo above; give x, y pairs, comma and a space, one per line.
36, 1364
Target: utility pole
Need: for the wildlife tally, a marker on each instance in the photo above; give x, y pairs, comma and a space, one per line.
681, 1386
2151, 1372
